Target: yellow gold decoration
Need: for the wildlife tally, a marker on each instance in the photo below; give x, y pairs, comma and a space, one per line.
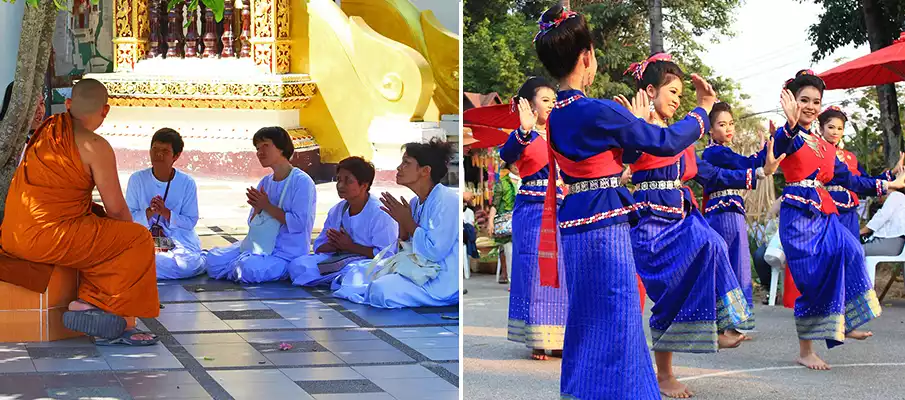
130, 32
271, 35
286, 92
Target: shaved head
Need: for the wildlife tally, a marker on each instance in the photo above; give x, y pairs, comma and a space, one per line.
89, 98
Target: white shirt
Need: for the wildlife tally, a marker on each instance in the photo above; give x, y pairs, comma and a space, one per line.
468, 216
889, 222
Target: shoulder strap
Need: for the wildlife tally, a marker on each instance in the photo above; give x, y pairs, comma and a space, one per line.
286, 186
165, 193
343, 213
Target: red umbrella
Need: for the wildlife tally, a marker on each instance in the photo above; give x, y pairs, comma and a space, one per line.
487, 136
883, 66
496, 116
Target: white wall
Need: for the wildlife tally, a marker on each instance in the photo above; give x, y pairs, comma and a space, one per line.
447, 11
10, 28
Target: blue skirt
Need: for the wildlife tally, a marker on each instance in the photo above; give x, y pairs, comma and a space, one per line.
537, 314
733, 228
605, 355
684, 265
851, 222
827, 265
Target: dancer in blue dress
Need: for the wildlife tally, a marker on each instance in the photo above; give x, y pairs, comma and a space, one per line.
724, 208
604, 351
826, 261
846, 194
683, 263
537, 314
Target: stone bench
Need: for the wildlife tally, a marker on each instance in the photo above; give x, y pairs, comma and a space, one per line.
28, 316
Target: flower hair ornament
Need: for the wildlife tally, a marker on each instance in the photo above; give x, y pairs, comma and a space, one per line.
836, 108
637, 69
549, 26
801, 73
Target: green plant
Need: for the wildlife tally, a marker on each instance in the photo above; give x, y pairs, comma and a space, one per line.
216, 6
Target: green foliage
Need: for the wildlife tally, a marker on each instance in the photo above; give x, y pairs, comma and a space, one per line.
842, 23
500, 56
61, 5
865, 137
216, 6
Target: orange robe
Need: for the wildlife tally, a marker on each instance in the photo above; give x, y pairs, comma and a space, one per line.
49, 219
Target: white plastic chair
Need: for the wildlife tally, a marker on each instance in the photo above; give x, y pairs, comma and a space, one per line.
465, 262
777, 260
872, 262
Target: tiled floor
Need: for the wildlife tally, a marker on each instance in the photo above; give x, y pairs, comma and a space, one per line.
222, 341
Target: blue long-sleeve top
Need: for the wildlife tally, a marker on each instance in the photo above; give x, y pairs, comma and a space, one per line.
861, 184
726, 200
674, 203
580, 128
789, 141
532, 189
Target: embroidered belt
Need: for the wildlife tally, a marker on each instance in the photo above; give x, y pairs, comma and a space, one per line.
836, 188
728, 192
660, 185
536, 182
594, 184
807, 183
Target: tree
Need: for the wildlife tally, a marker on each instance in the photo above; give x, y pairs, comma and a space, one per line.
876, 22
35, 44
656, 27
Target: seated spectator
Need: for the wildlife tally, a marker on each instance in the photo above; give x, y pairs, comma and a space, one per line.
165, 200
280, 222
887, 227
425, 272
355, 231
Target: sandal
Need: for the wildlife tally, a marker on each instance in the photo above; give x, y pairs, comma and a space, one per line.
503, 281
95, 322
126, 339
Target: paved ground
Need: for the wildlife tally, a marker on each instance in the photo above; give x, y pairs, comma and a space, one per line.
222, 340
495, 368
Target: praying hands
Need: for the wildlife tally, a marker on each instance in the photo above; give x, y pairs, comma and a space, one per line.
158, 208
400, 211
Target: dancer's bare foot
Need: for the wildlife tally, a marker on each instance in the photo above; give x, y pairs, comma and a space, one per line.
79, 305
813, 362
733, 334
859, 335
539, 355
670, 387
725, 341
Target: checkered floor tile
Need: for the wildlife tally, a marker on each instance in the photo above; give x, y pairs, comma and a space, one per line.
221, 340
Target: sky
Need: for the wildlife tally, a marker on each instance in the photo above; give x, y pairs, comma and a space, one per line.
771, 44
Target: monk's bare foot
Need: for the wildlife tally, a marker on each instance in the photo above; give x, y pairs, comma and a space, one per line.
539, 355
79, 305
726, 341
142, 336
813, 362
670, 387
859, 335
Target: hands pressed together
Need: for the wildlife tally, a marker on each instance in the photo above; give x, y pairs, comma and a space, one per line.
399, 210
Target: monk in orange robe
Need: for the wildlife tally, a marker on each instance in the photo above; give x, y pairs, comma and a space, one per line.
51, 219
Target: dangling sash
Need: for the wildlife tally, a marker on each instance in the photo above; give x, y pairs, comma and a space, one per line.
603, 164
534, 158
799, 165
852, 162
